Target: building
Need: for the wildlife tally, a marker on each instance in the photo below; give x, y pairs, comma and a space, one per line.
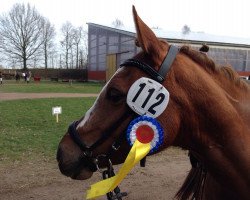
108, 47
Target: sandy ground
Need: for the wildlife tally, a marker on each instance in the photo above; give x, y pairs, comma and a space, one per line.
12, 96
41, 180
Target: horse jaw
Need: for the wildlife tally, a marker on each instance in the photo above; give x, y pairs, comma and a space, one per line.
83, 175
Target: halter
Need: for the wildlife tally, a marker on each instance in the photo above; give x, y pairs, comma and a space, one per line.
88, 150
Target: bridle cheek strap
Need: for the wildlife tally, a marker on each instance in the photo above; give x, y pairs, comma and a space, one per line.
168, 61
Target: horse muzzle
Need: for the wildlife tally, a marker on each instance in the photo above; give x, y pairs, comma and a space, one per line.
79, 168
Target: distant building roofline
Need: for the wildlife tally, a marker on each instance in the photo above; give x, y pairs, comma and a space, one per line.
193, 37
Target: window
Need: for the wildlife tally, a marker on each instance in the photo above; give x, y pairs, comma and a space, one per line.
93, 51
92, 43
101, 58
93, 59
92, 66
101, 66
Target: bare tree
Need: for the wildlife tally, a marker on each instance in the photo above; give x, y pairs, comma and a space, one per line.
48, 35
67, 41
71, 53
77, 38
84, 51
117, 23
20, 32
186, 29
53, 57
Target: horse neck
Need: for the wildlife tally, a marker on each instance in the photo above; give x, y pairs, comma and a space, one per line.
212, 104
216, 128
238, 94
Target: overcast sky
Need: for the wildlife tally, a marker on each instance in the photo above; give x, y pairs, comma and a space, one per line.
219, 17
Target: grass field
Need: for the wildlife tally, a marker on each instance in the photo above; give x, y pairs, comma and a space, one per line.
50, 87
28, 129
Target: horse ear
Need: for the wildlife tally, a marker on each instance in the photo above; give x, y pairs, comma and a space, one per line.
146, 38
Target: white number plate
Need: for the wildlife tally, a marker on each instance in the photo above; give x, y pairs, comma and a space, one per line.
148, 97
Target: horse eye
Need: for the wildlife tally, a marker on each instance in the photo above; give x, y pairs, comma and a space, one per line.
114, 95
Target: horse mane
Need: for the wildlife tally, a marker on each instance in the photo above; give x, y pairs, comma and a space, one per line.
193, 186
209, 65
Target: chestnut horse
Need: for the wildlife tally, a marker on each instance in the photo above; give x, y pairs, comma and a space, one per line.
208, 114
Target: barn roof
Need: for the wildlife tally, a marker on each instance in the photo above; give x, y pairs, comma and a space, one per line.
192, 37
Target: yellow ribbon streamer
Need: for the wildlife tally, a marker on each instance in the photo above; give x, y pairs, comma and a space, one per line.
137, 152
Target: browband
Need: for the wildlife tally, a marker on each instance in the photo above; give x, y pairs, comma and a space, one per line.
165, 66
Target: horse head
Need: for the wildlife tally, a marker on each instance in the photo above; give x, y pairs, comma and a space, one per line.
110, 115
198, 113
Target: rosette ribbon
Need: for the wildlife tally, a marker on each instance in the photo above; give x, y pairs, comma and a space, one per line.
148, 130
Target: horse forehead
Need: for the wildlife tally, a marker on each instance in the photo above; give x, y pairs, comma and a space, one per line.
85, 118
125, 76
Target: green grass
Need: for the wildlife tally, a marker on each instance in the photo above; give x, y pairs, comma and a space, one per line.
28, 129
50, 87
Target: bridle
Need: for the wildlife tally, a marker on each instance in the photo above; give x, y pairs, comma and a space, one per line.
156, 75
93, 162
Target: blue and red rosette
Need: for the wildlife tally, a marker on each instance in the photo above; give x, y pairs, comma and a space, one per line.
146, 130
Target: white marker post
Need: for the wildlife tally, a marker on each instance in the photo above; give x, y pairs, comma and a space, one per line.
56, 111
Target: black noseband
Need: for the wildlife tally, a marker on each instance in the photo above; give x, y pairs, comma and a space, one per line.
87, 150
76, 138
